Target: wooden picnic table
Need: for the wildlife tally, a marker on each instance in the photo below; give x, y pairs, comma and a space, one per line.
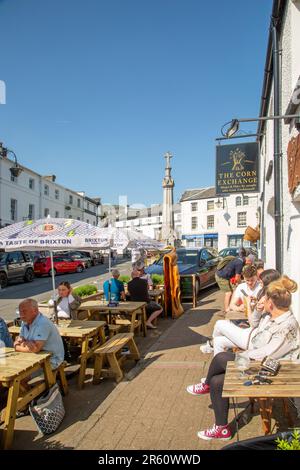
131, 309
15, 367
90, 334
286, 384
157, 295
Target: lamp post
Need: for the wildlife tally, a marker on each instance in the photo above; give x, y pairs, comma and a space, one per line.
16, 169
220, 204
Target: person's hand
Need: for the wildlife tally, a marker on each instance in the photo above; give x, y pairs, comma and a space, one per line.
19, 340
260, 306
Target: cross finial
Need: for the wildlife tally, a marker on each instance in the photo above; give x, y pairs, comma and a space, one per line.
168, 157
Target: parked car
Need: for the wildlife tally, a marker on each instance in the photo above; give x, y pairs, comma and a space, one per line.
62, 265
94, 257
81, 256
16, 265
234, 251
200, 261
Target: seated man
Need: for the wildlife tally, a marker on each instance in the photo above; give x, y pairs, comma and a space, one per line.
38, 333
249, 288
138, 291
5, 338
113, 288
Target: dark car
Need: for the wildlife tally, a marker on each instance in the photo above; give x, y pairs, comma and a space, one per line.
200, 261
94, 256
15, 266
234, 251
81, 256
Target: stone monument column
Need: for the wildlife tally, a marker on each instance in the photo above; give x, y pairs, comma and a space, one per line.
168, 233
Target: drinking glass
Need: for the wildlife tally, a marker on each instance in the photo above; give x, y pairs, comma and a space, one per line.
242, 363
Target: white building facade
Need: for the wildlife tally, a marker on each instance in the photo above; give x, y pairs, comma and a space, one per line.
218, 222
289, 38
149, 221
33, 196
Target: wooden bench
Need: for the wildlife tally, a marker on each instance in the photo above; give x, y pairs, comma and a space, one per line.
109, 355
113, 330
126, 324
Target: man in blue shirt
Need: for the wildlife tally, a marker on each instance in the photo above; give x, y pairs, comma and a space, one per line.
38, 333
233, 269
114, 289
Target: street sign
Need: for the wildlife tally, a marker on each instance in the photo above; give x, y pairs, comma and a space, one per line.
237, 168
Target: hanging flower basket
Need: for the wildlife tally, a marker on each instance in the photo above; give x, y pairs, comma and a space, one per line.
252, 234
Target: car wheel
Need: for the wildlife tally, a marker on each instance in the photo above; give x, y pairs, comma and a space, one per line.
79, 269
3, 280
29, 275
50, 272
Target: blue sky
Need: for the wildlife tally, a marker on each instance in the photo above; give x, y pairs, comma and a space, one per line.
99, 90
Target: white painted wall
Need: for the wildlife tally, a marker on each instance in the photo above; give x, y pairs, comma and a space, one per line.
20, 191
225, 219
290, 207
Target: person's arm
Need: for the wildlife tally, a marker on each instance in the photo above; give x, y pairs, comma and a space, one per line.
255, 315
236, 302
277, 347
74, 301
18, 340
29, 346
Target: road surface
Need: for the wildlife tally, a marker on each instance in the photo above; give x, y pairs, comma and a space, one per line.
41, 288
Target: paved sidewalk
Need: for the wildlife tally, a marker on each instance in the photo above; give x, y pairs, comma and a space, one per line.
150, 409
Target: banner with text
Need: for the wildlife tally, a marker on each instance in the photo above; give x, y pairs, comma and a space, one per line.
237, 168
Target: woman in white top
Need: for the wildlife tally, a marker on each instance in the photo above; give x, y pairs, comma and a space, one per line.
277, 335
227, 335
67, 303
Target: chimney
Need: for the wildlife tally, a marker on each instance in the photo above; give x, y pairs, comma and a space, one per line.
50, 178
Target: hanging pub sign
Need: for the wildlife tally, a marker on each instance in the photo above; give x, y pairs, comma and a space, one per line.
237, 169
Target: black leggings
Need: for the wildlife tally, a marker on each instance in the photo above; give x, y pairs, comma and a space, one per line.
215, 379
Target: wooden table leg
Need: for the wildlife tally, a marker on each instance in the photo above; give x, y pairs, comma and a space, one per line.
102, 335
97, 368
265, 407
83, 361
287, 412
144, 319
48, 373
132, 326
10, 414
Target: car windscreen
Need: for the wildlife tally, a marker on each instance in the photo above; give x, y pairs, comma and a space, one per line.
2, 256
184, 257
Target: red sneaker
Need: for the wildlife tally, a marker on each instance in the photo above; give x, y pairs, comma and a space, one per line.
198, 389
216, 432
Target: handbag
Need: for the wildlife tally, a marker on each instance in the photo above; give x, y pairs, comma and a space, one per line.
48, 411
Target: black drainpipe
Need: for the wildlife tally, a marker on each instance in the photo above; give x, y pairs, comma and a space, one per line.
277, 147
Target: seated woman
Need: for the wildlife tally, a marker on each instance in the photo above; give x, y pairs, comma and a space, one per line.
67, 302
227, 335
5, 338
276, 335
